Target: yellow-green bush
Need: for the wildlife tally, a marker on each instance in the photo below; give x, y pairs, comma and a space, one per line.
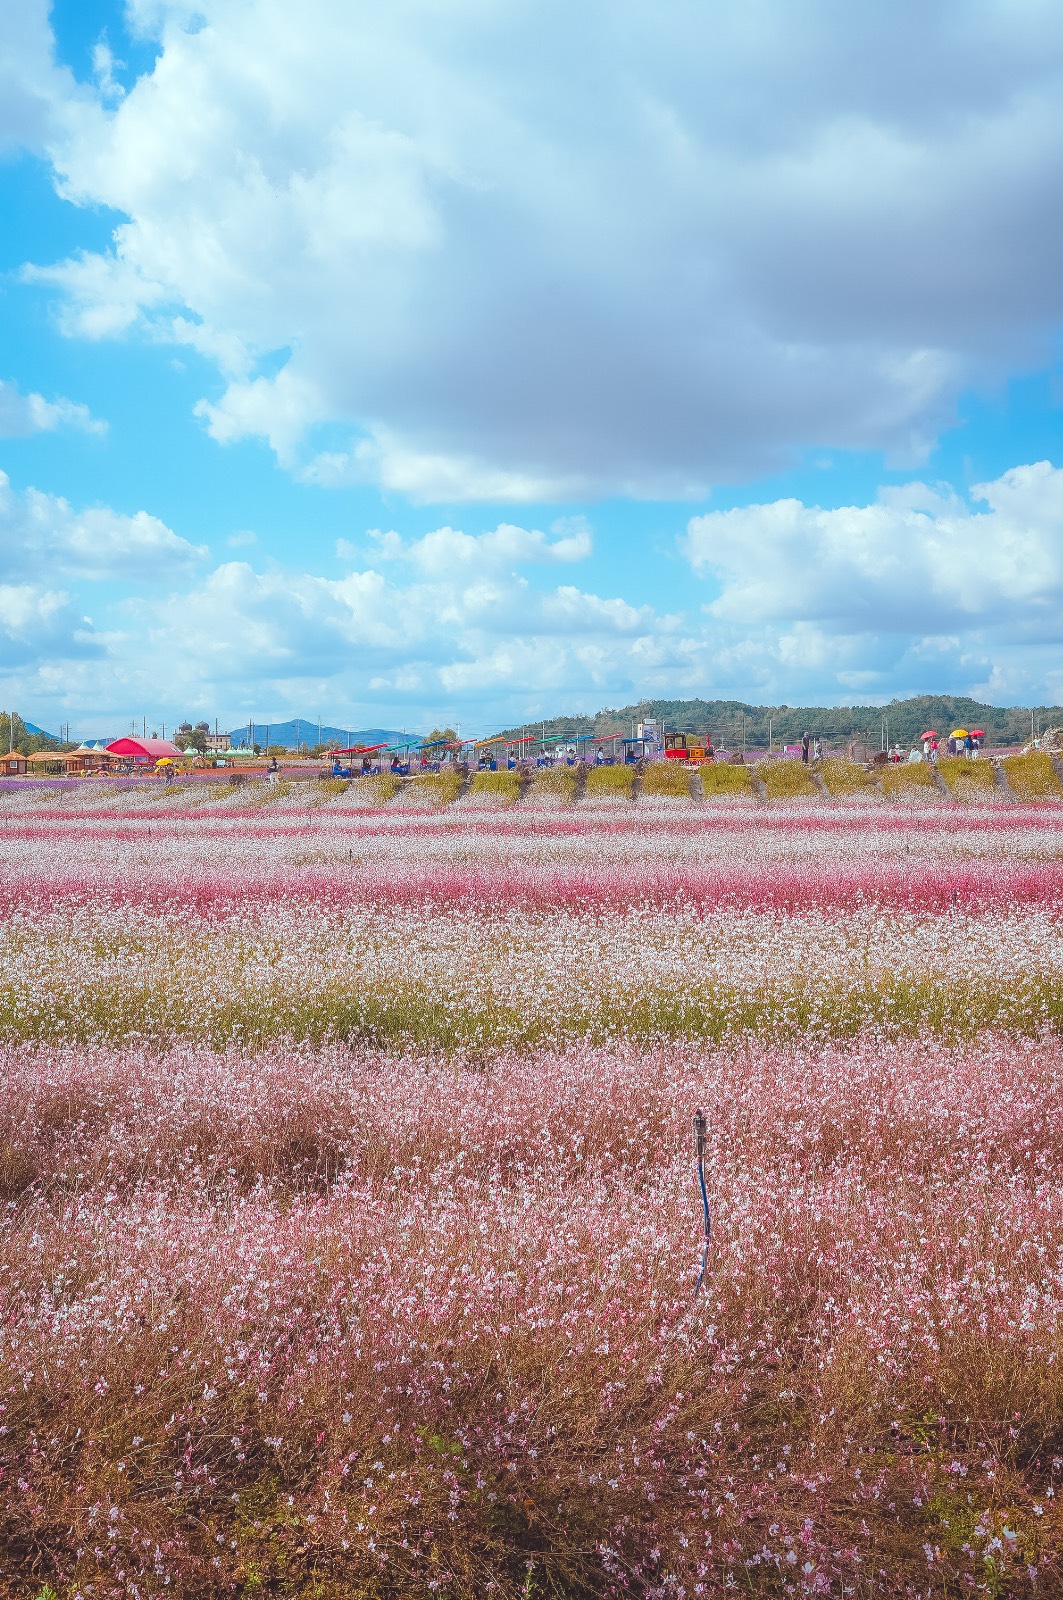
503, 785
666, 777
555, 783
379, 787
321, 790
721, 777
264, 794
967, 779
614, 780
333, 786
845, 777
785, 779
438, 788
899, 778
1033, 776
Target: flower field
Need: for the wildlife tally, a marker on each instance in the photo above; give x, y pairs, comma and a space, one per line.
350, 1219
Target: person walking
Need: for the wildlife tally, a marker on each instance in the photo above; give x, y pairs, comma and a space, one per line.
804, 748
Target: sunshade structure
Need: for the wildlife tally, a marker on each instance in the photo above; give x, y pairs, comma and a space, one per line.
13, 765
143, 751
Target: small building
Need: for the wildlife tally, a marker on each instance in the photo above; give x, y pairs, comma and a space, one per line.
143, 753
47, 761
217, 743
13, 765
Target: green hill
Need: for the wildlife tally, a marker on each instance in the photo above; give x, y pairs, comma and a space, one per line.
733, 723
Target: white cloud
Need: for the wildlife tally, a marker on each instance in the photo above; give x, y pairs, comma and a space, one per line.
24, 414
38, 623
532, 251
918, 561
43, 533
423, 477
34, 92
922, 588
447, 550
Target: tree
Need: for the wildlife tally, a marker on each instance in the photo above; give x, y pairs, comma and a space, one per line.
441, 733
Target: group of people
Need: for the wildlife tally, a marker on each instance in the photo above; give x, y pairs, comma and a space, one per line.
969, 746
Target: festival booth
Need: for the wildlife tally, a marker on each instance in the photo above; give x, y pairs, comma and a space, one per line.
143, 755
86, 760
47, 762
343, 761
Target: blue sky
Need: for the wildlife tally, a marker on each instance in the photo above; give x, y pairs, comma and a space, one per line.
483, 361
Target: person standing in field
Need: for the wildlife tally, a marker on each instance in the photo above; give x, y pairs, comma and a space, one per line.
817, 748
804, 748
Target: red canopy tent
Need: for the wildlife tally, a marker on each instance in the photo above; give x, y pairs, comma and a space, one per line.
143, 750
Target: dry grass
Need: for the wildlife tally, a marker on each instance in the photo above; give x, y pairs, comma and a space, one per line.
968, 780
902, 778
1033, 776
504, 786
666, 778
615, 780
785, 779
380, 787
437, 788
264, 795
557, 784
725, 778
845, 777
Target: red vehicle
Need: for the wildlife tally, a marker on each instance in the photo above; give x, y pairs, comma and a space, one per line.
693, 748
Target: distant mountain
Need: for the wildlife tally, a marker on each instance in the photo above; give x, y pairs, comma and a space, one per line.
733, 723
298, 731
39, 733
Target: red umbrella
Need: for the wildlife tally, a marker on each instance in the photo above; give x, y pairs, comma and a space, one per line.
929, 734
976, 733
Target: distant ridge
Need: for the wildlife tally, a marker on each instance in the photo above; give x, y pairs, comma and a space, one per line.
736, 723
298, 731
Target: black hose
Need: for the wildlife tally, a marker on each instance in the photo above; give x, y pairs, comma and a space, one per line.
700, 1129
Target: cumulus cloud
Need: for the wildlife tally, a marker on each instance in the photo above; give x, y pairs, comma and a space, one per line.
447, 550
800, 604
44, 533
545, 250
25, 414
34, 92
919, 560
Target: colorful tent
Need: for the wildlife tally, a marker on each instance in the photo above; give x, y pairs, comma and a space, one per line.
143, 750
